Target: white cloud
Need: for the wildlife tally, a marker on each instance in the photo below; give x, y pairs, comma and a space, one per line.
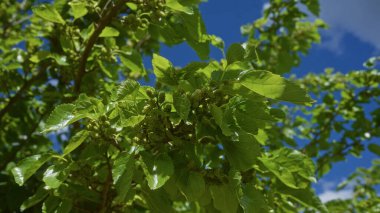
333, 195
329, 192
359, 18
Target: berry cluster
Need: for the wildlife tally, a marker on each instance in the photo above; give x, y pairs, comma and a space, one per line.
144, 13
101, 129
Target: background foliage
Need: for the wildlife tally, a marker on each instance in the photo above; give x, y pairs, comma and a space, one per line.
229, 135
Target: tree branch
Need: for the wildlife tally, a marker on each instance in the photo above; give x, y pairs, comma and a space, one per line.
103, 22
106, 189
19, 93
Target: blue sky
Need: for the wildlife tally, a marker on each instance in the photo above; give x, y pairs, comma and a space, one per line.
353, 37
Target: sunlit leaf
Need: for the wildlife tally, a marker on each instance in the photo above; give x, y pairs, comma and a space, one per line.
48, 13
55, 175
306, 197
61, 116
158, 169
28, 166
163, 70
290, 166
76, 141
39, 196
109, 32
177, 6
275, 87
79, 9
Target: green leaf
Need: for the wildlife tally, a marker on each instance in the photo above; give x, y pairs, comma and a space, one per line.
158, 169
61, 116
55, 175
177, 6
235, 53
39, 56
217, 42
48, 13
87, 32
132, 120
42, 55
76, 141
39, 196
253, 200
242, 154
192, 185
182, 105
79, 9
275, 87
163, 70
133, 61
374, 148
313, 6
193, 29
132, 6
127, 87
293, 168
224, 198
50, 204
157, 200
278, 113
64, 207
218, 115
28, 166
109, 32
261, 137
285, 61
306, 197
122, 173
251, 115
89, 107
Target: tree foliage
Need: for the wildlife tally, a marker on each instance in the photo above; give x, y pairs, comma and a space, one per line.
81, 130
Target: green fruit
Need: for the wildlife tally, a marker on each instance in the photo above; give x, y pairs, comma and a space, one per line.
217, 92
146, 109
168, 108
90, 126
161, 97
150, 93
103, 118
107, 123
196, 96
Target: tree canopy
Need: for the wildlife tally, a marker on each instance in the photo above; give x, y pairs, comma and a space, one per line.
86, 127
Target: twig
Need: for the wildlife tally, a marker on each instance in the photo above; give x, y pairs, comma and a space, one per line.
107, 186
103, 22
19, 93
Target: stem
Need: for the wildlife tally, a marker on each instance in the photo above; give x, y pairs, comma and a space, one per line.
103, 22
107, 186
19, 93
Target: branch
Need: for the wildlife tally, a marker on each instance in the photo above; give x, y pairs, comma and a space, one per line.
103, 22
19, 93
106, 190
